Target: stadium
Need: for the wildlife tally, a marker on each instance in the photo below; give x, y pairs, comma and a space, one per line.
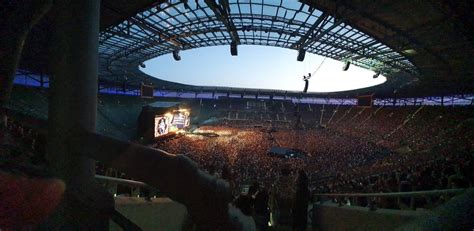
94, 136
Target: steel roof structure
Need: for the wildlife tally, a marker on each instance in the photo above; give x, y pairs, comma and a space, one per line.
424, 47
180, 26
167, 27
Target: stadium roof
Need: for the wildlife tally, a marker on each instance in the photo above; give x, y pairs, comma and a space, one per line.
423, 47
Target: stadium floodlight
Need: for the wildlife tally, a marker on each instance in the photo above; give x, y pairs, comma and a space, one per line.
346, 65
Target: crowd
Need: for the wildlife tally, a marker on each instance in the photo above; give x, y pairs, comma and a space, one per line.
357, 150
361, 150
407, 174
244, 153
20, 144
349, 150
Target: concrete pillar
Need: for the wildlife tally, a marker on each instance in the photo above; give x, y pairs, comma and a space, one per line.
72, 107
18, 17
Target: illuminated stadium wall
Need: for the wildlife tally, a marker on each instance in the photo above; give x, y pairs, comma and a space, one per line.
34, 80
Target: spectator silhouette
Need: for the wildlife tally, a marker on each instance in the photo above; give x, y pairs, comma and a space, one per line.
246, 202
262, 214
300, 202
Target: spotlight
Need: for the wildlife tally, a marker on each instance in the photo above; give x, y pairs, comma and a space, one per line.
233, 48
346, 66
176, 55
301, 54
376, 75
142, 65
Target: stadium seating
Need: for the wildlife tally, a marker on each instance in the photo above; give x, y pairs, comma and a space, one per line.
350, 149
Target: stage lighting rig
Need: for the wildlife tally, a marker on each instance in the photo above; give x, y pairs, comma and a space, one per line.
233, 48
301, 54
176, 55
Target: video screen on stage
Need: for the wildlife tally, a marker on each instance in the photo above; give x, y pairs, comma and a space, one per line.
173, 121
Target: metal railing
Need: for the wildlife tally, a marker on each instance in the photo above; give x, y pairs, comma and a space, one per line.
126, 224
396, 194
121, 181
349, 195
373, 199
116, 216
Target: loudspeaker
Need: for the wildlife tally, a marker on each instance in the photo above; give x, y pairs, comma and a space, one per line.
306, 84
364, 101
346, 66
147, 91
301, 54
176, 55
233, 49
